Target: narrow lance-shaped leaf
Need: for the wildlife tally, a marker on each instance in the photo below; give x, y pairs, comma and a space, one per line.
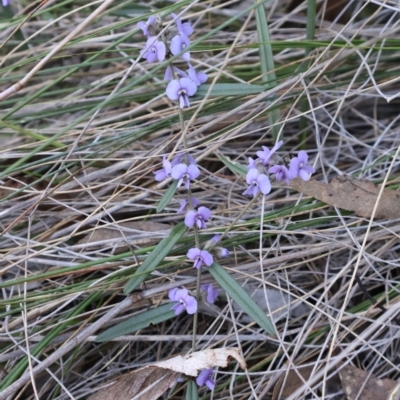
238, 294
234, 166
267, 61
168, 195
139, 321
155, 257
191, 391
229, 89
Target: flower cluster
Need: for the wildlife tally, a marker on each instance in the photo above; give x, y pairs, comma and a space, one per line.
184, 169
161, 44
267, 163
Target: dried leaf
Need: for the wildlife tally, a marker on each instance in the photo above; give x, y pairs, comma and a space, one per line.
290, 381
149, 383
362, 385
352, 194
195, 362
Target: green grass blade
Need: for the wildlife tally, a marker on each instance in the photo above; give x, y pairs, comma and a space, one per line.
234, 166
243, 300
267, 62
230, 89
168, 195
191, 391
155, 257
139, 321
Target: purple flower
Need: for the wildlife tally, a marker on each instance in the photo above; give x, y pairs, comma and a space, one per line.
181, 89
184, 29
178, 44
281, 173
205, 378
197, 77
164, 172
185, 203
184, 301
199, 257
212, 293
266, 154
144, 26
258, 183
299, 168
185, 173
154, 50
198, 217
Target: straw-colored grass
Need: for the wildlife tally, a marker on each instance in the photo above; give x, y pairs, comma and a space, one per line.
79, 145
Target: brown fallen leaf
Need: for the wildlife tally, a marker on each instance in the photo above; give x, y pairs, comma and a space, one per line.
292, 380
352, 194
150, 382
362, 385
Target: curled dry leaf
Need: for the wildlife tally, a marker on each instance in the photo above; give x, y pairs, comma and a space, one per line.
149, 383
352, 194
362, 385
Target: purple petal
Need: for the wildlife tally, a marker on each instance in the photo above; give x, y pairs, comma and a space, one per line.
190, 219
251, 191
264, 184
193, 171
251, 176
200, 223
204, 376
178, 171
193, 253
173, 89
308, 169
183, 101
207, 257
224, 252
160, 175
189, 86
303, 156
305, 176
198, 263
178, 308
205, 213
160, 51
186, 28
210, 383
181, 294
191, 305
172, 294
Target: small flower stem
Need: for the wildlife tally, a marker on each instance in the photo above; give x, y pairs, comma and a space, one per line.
195, 229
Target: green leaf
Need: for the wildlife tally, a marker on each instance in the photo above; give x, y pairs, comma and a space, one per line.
230, 89
191, 391
238, 294
234, 166
155, 257
139, 321
167, 196
267, 62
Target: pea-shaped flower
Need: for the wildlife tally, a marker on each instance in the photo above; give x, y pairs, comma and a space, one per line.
181, 89
185, 173
199, 257
258, 183
205, 378
184, 301
198, 217
299, 168
281, 173
154, 50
